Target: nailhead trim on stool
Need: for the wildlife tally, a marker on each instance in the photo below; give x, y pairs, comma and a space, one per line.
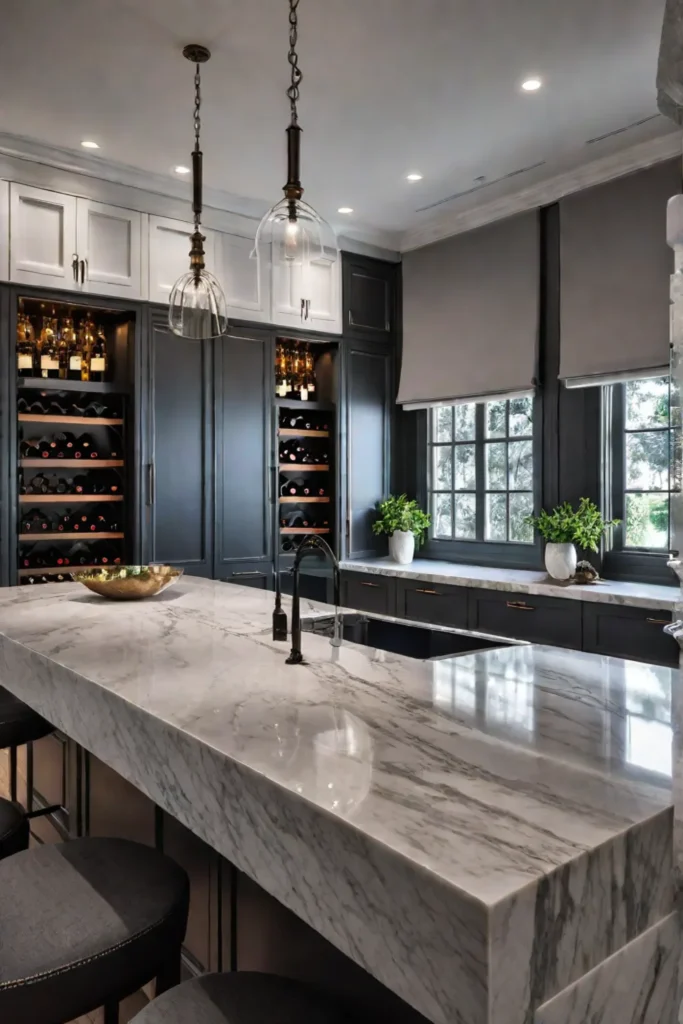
13, 829
84, 924
243, 997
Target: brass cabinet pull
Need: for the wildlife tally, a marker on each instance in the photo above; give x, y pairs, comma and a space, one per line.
254, 572
520, 606
419, 590
659, 622
363, 584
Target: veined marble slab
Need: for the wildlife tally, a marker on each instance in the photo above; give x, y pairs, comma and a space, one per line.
520, 581
638, 985
477, 833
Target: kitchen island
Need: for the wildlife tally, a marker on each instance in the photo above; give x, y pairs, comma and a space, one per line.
489, 836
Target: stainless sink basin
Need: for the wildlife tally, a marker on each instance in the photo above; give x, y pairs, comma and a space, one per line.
411, 639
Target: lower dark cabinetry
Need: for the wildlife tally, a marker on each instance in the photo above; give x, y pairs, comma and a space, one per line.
629, 633
430, 602
368, 593
249, 574
543, 620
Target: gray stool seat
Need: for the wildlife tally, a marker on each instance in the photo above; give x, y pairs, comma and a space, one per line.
243, 997
19, 723
85, 923
13, 829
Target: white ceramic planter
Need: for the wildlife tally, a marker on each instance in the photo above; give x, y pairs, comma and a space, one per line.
402, 546
560, 560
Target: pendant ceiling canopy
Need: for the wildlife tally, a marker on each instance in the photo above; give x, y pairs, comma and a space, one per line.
198, 308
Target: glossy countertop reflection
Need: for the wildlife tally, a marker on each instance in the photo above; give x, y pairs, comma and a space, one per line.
488, 769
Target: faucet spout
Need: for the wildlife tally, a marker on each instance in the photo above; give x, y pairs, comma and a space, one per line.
312, 543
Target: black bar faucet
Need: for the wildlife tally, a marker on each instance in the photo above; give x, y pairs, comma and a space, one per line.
311, 543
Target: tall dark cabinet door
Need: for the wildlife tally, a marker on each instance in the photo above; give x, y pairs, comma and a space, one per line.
178, 463
368, 397
370, 296
244, 460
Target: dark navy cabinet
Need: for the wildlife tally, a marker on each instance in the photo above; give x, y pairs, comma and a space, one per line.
629, 633
370, 289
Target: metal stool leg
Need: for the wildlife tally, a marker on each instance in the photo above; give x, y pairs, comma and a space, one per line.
111, 1012
13, 774
29, 777
169, 975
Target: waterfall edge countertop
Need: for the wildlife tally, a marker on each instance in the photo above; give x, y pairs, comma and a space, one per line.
521, 581
477, 832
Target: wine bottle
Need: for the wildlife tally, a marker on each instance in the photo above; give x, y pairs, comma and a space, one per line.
80, 522
87, 447
294, 518
29, 448
95, 409
105, 553
288, 489
26, 347
49, 356
53, 557
63, 346
79, 554
63, 486
37, 485
56, 408
36, 521
98, 357
65, 522
22, 405
86, 340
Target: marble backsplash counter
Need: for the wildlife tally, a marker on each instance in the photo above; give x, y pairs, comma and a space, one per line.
482, 834
520, 581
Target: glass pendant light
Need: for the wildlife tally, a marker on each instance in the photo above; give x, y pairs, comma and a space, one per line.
198, 308
292, 234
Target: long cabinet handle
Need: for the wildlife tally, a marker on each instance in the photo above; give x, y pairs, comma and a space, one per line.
659, 622
420, 590
74, 266
252, 573
151, 484
520, 606
82, 266
368, 584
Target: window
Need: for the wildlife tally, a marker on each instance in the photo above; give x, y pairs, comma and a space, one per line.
481, 471
641, 452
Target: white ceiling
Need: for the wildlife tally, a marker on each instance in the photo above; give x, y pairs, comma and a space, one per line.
389, 86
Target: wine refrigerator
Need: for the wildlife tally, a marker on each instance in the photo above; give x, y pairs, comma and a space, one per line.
71, 438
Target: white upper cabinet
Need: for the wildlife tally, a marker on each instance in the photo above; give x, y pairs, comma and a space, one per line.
109, 247
169, 254
64, 242
245, 284
310, 299
4, 230
42, 237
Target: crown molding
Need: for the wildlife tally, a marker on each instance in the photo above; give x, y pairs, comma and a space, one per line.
35, 163
638, 157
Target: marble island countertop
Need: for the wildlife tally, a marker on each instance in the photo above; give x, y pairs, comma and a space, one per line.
482, 833
521, 581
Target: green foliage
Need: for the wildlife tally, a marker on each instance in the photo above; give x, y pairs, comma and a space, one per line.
399, 513
565, 525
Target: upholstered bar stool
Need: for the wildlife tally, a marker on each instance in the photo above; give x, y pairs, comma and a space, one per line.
13, 829
19, 724
243, 997
84, 924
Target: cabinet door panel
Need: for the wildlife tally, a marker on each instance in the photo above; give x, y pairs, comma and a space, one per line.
257, 574
318, 285
243, 281
369, 593
244, 386
368, 417
42, 237
430, 602
109, 239
369, 296
179, 485
169, 254
4, 231
629, 633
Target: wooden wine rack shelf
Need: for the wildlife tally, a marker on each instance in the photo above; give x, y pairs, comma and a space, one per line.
70, 463
54, 570
303, 467
293, 432
86, 535
66, 499
86, 421
304, 529
292, 499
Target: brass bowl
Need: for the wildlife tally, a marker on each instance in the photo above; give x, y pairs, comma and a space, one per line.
128, 582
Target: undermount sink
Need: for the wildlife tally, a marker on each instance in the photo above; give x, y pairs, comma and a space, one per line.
410, 639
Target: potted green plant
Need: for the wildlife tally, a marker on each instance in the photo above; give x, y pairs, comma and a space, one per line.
405, 524
563, 528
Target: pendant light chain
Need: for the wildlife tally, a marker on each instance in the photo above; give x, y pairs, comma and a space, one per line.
197, 127
293, 57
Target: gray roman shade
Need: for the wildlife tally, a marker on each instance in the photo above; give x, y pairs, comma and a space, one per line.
471, 313
614, 277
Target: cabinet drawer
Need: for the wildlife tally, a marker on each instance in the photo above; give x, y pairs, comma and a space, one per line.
248, 574
629, 633
542, 620
369, 593
431, 602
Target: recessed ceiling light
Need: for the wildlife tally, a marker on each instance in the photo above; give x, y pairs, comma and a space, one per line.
89, 144
180, 169
532, 84
345, 209
414, 176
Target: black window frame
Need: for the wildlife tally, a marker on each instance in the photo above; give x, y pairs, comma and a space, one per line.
641, 565
507, 554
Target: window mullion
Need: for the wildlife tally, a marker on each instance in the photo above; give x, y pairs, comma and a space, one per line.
479, 453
